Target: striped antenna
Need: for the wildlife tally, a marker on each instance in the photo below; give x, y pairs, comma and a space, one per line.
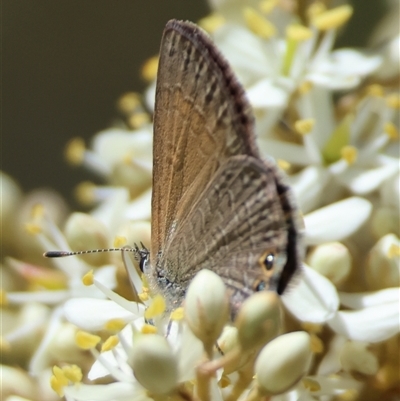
61, 254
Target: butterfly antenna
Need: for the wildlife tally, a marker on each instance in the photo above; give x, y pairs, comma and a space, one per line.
61, 254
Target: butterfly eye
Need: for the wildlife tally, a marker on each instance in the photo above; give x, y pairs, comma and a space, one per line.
269, 261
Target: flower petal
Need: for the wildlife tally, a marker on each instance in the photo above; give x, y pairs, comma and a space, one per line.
336, 221
314, 299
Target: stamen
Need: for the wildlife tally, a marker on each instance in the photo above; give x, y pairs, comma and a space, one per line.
137, 120
156, 308
110, 343
88, 278
115, 325
73, 373
393, 101
266, 6
305, 126
305, 87
374, 90
86, 340
283, 164
149, 329
349, 153
37, 211
298, 32
258, 24
316, 9
310, 384
75, 151
393, 251
129, 103
317, 345
333, 19
85, 193
212, 22
33, 229
149, 69
391, 130
177, 314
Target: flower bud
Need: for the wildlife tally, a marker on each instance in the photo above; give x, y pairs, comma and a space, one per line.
206, 306
283, 362
258, 320
84, 232
383, 267
332, 259
154, 364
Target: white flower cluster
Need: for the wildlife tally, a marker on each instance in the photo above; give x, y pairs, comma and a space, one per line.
330, 119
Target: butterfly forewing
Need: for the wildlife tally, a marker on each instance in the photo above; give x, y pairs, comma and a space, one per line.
215, 203
201, 118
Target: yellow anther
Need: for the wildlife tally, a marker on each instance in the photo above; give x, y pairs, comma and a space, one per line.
311, 385
349, 153
258, 24
298, 32
332, 19
59, 375
57, 386
317, 345
115, 324
316, 8
85, 193
156, 308
33, 229
75, 151
266, 6
177, 314
313, 328
349, 395
212, 22
110, 343
305, 87
88, 278
304, 127
143, 296
73, 373
283, 164
393, 251
149, 329
120, 241
149, 69
86, 340
393, 101
137, 120
3, 298
37, 211
129, 102
375, 90
391, 130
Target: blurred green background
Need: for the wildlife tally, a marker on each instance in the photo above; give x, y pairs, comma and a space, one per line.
66, 62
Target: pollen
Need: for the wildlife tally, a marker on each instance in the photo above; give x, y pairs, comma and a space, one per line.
316, 8
349, 153
88, 278
149, 69
57, 386
311, 385
298, 32
283, 164
212, 22
75, 151
148, 329
391, 130
73, 373
305, 87
85, 193
59, 375
156, 308
143, 296
375, 90
393, 251
86, 340
177, 314
110, 343
393, 101
115, 324
137, 120
33, 229
129, 102
266, 6
258, 24
304, 127
332, 19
